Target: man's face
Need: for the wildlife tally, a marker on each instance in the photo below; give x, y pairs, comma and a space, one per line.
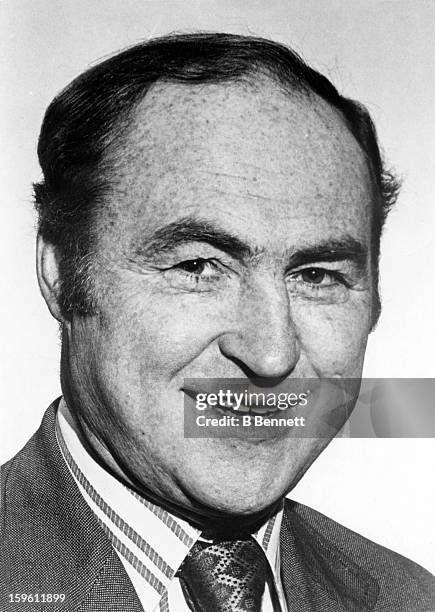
225, 199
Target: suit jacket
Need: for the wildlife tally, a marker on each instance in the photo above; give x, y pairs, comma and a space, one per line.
51, 542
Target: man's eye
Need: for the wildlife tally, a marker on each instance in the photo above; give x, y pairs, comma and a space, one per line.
196, 274
320, 277
319, 284
315, 276
193, 266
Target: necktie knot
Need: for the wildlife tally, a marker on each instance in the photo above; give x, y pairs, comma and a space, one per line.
227, 576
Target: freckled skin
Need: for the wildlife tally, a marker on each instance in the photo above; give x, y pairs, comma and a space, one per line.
277, 170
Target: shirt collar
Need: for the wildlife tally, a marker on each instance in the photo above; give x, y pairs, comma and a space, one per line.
151, 542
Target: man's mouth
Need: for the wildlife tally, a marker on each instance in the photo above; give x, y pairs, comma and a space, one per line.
226, 407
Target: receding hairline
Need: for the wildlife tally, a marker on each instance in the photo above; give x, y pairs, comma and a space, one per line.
161, 96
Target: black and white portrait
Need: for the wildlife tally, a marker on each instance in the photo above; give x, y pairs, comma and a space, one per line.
217, 314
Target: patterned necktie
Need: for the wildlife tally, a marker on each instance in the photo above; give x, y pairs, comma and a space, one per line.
225, 576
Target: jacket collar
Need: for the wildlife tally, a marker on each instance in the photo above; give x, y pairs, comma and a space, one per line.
317, 574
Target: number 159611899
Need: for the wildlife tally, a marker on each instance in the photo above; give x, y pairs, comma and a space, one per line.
36, 597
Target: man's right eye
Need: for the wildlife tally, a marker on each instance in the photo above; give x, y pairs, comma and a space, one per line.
194, 273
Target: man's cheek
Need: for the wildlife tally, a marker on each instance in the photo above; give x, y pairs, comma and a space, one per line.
333, 337
159, 336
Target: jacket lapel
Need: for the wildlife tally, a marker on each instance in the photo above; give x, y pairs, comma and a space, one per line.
317, 575
51, 540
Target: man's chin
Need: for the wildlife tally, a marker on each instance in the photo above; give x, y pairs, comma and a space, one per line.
239, 502
240, 508
248, 479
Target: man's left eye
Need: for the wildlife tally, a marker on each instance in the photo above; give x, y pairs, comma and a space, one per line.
318, 283
317, 276
193, 266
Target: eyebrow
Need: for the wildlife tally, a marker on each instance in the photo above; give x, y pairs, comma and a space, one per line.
345, 248
189, 229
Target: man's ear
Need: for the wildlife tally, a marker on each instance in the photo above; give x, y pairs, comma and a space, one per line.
47, 270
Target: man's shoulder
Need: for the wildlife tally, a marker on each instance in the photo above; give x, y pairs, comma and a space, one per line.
51, 541
34, 488
32, 460
401, 583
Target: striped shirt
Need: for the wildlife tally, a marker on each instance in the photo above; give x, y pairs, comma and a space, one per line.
150, 542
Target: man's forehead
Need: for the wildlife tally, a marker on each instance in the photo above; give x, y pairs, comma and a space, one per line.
187, 120
234, 150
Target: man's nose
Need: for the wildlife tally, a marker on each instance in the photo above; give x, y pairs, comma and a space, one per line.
263, 340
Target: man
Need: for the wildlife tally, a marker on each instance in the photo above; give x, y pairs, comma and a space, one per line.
211, 209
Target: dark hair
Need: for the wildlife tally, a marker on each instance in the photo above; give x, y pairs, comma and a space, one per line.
85, 119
